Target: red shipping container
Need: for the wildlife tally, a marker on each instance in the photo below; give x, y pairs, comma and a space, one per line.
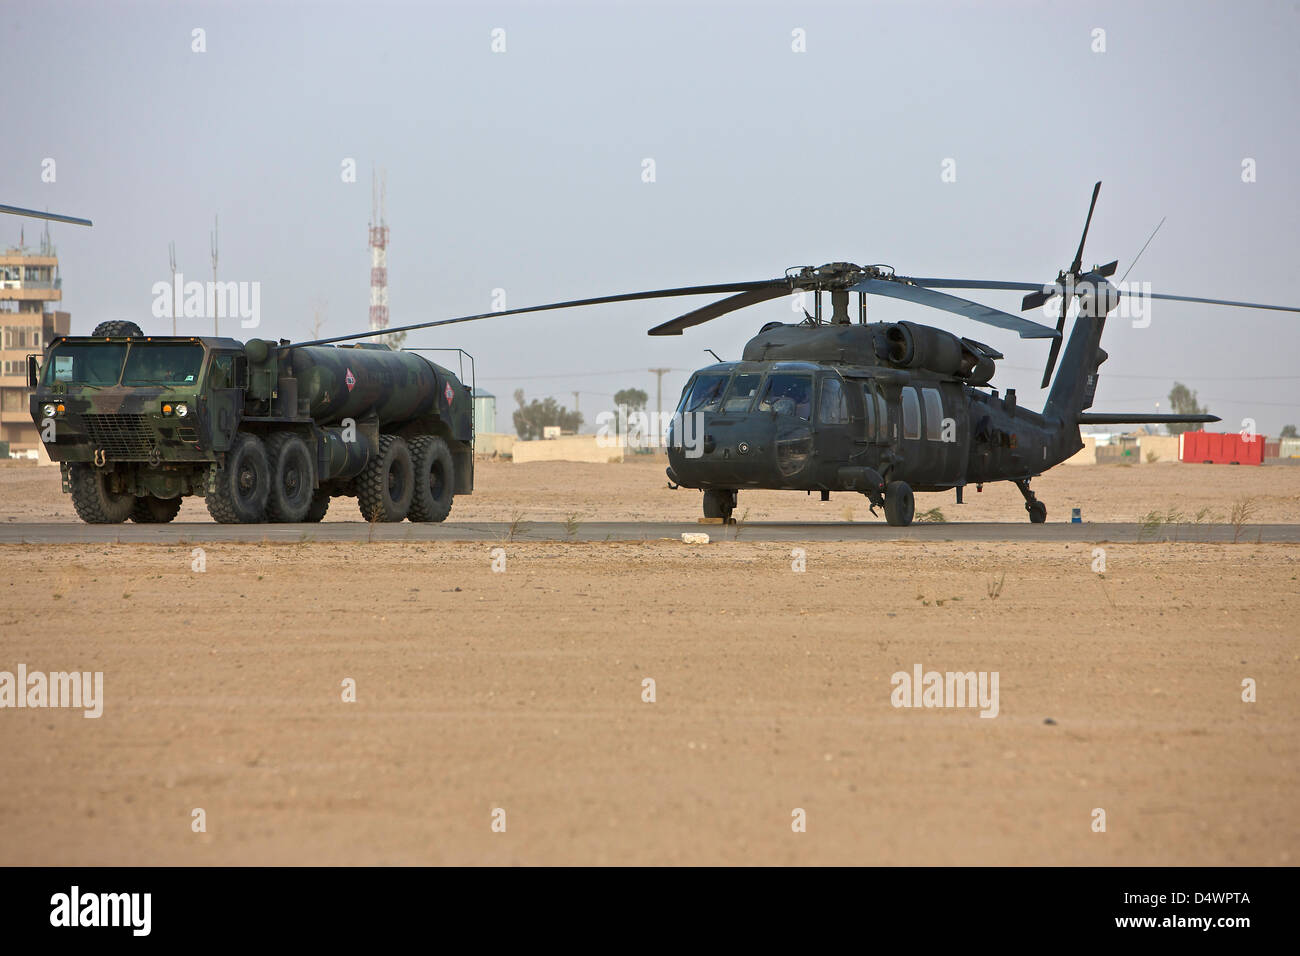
1213, 448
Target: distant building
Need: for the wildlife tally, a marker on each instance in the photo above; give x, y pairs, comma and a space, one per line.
28, 286
485, 412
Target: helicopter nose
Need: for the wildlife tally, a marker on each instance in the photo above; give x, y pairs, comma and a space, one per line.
728, 451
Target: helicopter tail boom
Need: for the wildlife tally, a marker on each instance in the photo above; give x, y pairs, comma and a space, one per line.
1075, 383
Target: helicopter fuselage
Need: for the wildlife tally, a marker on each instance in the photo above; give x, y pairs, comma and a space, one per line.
934, 433
840, 414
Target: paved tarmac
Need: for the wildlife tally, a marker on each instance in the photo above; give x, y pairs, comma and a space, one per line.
495, 531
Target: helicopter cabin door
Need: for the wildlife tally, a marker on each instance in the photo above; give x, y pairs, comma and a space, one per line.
834, 427
873, 425
933, 433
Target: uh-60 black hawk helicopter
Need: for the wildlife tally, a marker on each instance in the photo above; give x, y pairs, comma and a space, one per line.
885, 408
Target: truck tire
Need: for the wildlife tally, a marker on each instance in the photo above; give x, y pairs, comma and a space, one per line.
320, 503
118, 328
151, 510
293, 477
95, 502
243, 484
435, 479
384, 486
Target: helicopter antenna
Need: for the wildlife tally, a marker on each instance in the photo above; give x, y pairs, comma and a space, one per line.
714, 354
1142, 250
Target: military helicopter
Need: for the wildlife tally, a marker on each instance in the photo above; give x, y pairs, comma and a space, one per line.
884, 409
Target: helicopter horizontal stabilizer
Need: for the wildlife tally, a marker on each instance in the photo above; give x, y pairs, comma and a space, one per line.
1142, 418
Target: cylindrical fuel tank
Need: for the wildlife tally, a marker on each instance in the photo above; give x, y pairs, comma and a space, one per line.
345, 459
337, 383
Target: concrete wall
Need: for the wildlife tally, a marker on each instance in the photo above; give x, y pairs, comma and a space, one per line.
1165, 447
1086, 455
494, 443
567, 448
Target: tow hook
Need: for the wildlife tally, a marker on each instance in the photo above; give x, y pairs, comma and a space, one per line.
100, 458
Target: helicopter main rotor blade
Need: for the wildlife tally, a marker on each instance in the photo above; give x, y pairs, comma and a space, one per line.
976, 284
52, 216
721, 307
951, 303
782, 284
1191, 298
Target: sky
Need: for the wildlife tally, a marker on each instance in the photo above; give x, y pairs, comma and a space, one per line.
522, 173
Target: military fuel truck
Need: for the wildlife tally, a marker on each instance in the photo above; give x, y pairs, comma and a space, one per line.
261, 430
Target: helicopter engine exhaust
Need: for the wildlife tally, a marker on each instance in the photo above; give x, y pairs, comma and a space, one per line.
920, 346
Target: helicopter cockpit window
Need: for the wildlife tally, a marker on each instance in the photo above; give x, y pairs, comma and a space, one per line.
869, 403
911, 413
788, 394
834, 407
705, 394
743, 389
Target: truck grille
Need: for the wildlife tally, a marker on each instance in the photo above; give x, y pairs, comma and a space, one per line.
122, 437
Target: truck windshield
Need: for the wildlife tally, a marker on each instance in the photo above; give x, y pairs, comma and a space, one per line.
85, 363
159, 363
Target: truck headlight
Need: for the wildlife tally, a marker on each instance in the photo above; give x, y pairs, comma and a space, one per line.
47, 411
182, 409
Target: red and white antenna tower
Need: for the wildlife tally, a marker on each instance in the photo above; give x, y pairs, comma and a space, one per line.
378, 253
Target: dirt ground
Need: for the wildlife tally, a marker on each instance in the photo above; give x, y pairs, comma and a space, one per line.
522, 691
637, 490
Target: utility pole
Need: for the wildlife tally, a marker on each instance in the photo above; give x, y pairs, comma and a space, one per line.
659, 403
378, 232
171, 251
215, 330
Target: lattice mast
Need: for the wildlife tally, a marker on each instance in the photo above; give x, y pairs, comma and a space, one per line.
378, 253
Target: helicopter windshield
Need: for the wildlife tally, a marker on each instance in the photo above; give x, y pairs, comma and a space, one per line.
743, 389
705, 394
788, 394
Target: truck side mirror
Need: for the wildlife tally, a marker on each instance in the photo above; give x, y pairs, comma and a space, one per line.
33, 372
241, 372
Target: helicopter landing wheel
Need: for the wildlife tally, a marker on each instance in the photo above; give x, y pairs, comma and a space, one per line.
719, 503
1037, 510
900, 503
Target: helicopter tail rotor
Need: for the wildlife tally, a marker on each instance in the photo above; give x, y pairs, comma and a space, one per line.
1065, 286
